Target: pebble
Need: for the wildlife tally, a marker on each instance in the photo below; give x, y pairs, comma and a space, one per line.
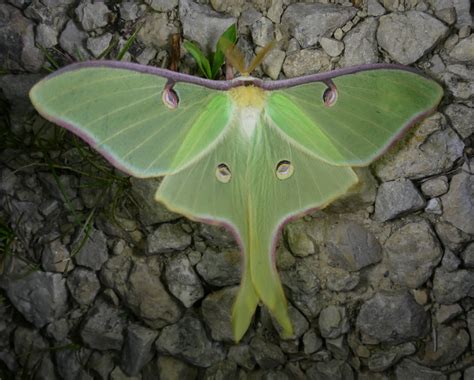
397, 198
392, 318
409, 36
412, 252
308, 22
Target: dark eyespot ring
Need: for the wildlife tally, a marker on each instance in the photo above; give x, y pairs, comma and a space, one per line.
170, 98
223, 173
284, 169
330, 96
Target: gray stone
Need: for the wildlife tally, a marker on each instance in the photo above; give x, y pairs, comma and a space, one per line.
83, 285
409, 36
420, 155
217, 311
397, 198
225, 370
220, 268
338, 347
40, 297
392, 318
306, 61
361, 44
202, 24
340, 280
447, 313
303, 276
273, 62
461, 118
101, 364
183, 281
29, 346
56, 258
145, 57
97, 45
91, 250
170, 368
262, 32
308, 22
58, 330
468, 256
103, 327
298, 240
447, 15
374, 8
331, 46
450, 287
137, 281
46, 36
72, 40
450, 261
266, 354
167, 238
130, 10
162, 5
381, 360
434, 187
413, 251
118, 374
138, 349
217, 236
462, 7
450, 344
352, 247
242, 355
69, 363
151, 211
156, 31
434, 206
330, 370
333, 322
312, 342
452, 237
469, 373
298, 321
408, 369
92, 15
470, 325
17, 42
275, 11
458, 203
187, 339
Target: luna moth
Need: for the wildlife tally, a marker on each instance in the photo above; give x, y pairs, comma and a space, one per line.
244, 153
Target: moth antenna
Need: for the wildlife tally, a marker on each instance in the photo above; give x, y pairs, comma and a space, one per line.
234, 56
260, 56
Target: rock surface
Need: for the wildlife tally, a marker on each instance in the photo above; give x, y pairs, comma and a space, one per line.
392, 318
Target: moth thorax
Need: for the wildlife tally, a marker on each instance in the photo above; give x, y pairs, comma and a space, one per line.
248, 96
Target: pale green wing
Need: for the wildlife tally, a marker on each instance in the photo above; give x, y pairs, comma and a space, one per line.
120, 112
369, 111
255, 203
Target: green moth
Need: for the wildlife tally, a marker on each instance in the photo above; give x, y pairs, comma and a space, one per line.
244, 153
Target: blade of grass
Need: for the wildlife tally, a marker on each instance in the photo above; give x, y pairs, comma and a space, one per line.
201, 59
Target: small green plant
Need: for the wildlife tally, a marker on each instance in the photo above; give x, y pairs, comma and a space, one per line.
211, 65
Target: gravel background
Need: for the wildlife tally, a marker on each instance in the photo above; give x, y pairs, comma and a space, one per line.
99, 282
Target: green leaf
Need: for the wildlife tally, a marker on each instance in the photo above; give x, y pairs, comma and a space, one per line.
201, 60
229, 37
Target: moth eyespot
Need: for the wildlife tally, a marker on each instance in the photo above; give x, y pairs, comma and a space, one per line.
223, 173
330, 96
284, 169
170, 98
